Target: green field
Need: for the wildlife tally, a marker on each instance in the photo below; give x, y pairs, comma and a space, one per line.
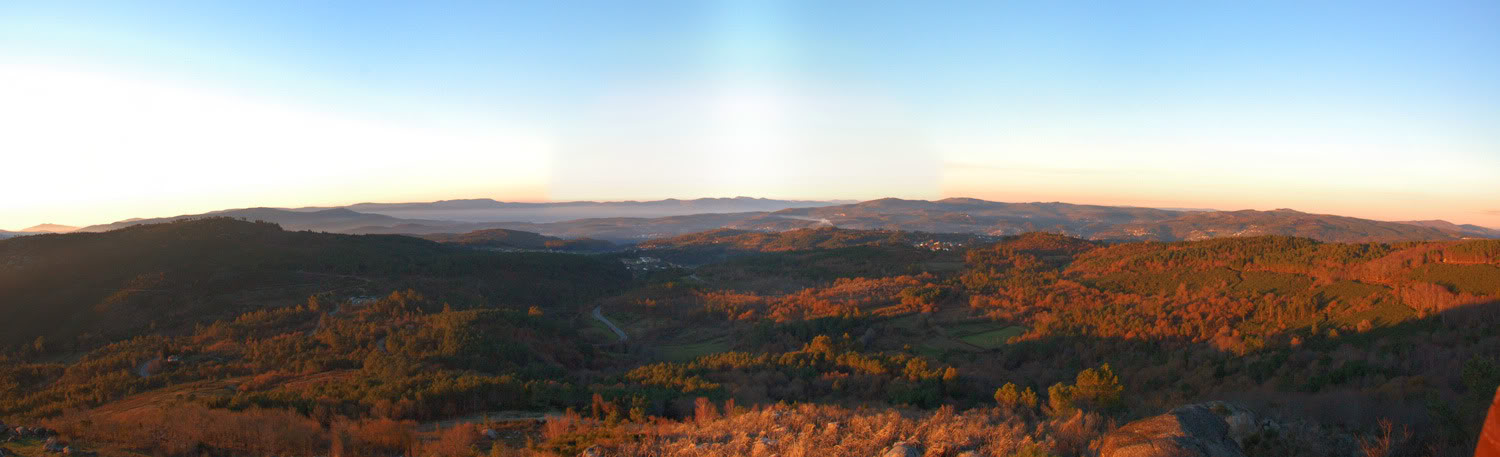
689, 352
597, 332
994, 338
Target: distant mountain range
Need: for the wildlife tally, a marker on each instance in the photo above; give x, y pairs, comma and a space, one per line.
1466, 229
38, 229
49, 228
486, 210
442, 221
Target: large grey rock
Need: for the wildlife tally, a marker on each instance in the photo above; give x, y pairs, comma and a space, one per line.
1242, 422
1189, 431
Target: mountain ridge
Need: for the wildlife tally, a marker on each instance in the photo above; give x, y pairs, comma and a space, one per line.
49, 228
950, 215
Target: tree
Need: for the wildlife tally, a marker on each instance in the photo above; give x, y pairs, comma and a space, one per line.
1028, 398
1008, 396
1060, 399
1099, 388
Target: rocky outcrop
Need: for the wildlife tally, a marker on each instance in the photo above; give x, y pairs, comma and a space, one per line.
1214, 429
1489, 437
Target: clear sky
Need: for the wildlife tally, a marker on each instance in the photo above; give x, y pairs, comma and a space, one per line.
118, 109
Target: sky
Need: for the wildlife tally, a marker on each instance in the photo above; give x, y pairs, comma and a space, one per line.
118, 109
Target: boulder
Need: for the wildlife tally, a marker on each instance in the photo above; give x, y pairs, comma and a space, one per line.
1189, 431
1242, 422
903, 449
491, 434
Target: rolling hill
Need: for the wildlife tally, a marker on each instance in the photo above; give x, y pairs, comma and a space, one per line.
505, 239
979, 217
1286, 222
49, 228
328, 220
1469, 230
804, 239
967, 215
81, 288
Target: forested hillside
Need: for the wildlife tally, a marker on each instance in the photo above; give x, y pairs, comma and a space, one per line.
815, 341
79, 290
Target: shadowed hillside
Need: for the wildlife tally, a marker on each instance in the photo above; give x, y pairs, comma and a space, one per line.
84, 288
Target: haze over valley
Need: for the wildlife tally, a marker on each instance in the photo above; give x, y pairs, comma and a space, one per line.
632, 222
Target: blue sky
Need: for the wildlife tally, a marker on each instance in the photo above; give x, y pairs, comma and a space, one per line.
1387, 110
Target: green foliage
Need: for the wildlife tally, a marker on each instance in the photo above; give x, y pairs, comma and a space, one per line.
1097, 388
1475, 251
1257, 283
1470, 279
1092, 389
1060, 399
1013, 398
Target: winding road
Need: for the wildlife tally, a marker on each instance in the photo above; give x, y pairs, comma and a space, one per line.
600, 316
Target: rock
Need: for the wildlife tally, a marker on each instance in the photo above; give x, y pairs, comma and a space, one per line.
1242, 422
903, 449
1189, 431
491, 434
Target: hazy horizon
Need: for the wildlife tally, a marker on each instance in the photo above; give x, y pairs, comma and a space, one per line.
330, 206
1385, 111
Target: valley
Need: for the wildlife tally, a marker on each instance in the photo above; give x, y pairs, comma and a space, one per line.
335, 336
